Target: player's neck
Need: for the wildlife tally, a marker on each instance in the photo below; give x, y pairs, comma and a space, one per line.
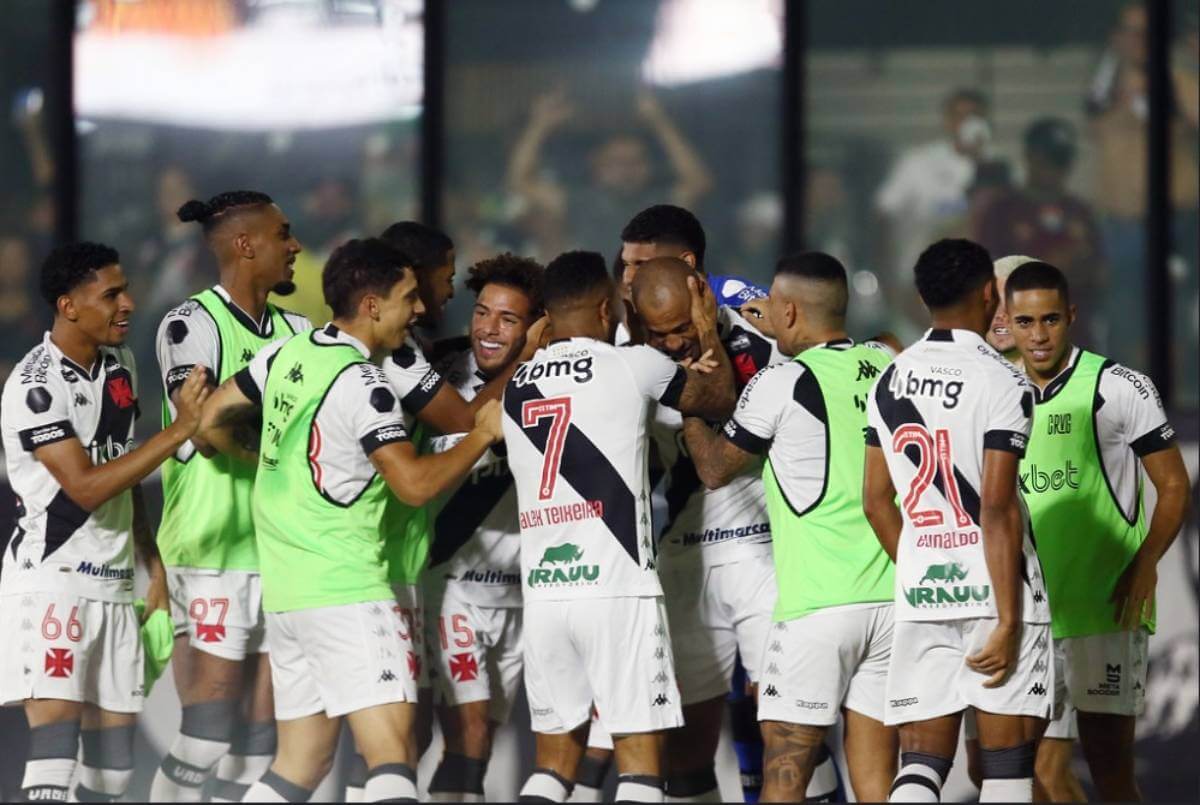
73, 343
244, 294
1043, 379
959, 319
816, 337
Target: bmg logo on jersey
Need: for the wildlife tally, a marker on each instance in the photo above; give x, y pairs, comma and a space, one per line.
1039, 479
579, 370
910, 384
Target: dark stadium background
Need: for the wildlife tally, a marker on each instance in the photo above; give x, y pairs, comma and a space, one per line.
796, 111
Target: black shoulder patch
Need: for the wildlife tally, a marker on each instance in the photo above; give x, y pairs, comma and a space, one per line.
38, 399
177, 331
405, 357
1027, 404
382, 400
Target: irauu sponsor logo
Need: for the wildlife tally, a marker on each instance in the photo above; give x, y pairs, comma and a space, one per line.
564, 568
945, 592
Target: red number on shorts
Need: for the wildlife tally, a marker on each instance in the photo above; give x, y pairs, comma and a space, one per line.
199, 608
411, 618
558, 409
52, 627
935, 455
459, 625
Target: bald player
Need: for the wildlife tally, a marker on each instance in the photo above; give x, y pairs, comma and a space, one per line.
207, 534
828, 649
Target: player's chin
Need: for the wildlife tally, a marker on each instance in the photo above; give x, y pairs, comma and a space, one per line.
116, 335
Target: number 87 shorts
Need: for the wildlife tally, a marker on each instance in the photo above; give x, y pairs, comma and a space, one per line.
62, 646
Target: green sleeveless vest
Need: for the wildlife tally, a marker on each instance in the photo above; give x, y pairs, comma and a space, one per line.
828, 555
206, 520
314, 551
1083, 540
407, 530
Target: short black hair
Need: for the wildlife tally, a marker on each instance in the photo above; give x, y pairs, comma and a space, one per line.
812, 265
666, 223
522, 273
208, 213
571, 276
427, 247
71, 265
1037, 276
951, 269
357, 267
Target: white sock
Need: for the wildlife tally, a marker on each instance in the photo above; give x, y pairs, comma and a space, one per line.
916, 782
585, 793
454, 796
101, 785
1007, 790
185, 768
273, 788
47, 779
824, 780
639, 788
235, 774
544, 785
391, 782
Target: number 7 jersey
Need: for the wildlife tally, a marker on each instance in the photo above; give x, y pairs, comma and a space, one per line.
575, 419
933, 412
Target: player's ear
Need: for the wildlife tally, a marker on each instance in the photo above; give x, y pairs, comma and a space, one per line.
66, 308
689, 258
1072, 313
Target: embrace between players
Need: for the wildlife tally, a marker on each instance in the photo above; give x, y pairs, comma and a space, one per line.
360, 523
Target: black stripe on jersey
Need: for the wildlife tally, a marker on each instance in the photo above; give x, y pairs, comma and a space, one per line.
464, 512
897, 412
1097, 404
422, 393
585, 467
685, 482
670, 397
63, 518
118, 408
42, 435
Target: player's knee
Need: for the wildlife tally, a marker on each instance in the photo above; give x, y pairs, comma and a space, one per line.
107, 763
1008, 773
210, 721
459, 773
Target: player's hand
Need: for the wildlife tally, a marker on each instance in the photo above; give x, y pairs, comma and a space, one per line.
552, 109
705, 364
756, 311
704, 305
536, 337
998, 657
1133, 596
487, 421
192, 395
157, 596
647, 106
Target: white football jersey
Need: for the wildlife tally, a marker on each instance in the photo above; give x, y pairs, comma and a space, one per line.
575, 428
411, 375
476, 542
715, 526
57, 545
934, 411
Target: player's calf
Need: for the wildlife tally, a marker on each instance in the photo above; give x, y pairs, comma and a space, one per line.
792, 752
691, 775
1054, 779
107, 763
468, 738
248, 759
1107, 742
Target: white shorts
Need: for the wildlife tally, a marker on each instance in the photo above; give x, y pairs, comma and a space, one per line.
829, 659
219, 610
615, 652
63, 646
341, 659
1106, 673
1062, 724
598, 737
715, 612
411, 609
928, 676
474, 651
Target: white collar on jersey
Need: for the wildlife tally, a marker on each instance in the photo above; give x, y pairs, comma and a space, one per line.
262, 327
61, 357
338, 335
837, 343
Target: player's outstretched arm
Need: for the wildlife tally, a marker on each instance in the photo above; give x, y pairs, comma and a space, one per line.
718, 460
1000, 522
1134, 592
415, 480
879, 501
90, 485
226, 408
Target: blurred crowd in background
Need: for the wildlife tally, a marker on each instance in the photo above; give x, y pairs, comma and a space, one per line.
1024, 127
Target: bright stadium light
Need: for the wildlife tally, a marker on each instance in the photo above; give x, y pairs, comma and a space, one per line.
702, 40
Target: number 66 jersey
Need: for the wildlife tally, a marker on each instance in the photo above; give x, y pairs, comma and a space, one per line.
933, 412
575, 419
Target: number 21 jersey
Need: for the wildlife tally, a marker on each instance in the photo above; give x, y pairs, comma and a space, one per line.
575, 419
933, 412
